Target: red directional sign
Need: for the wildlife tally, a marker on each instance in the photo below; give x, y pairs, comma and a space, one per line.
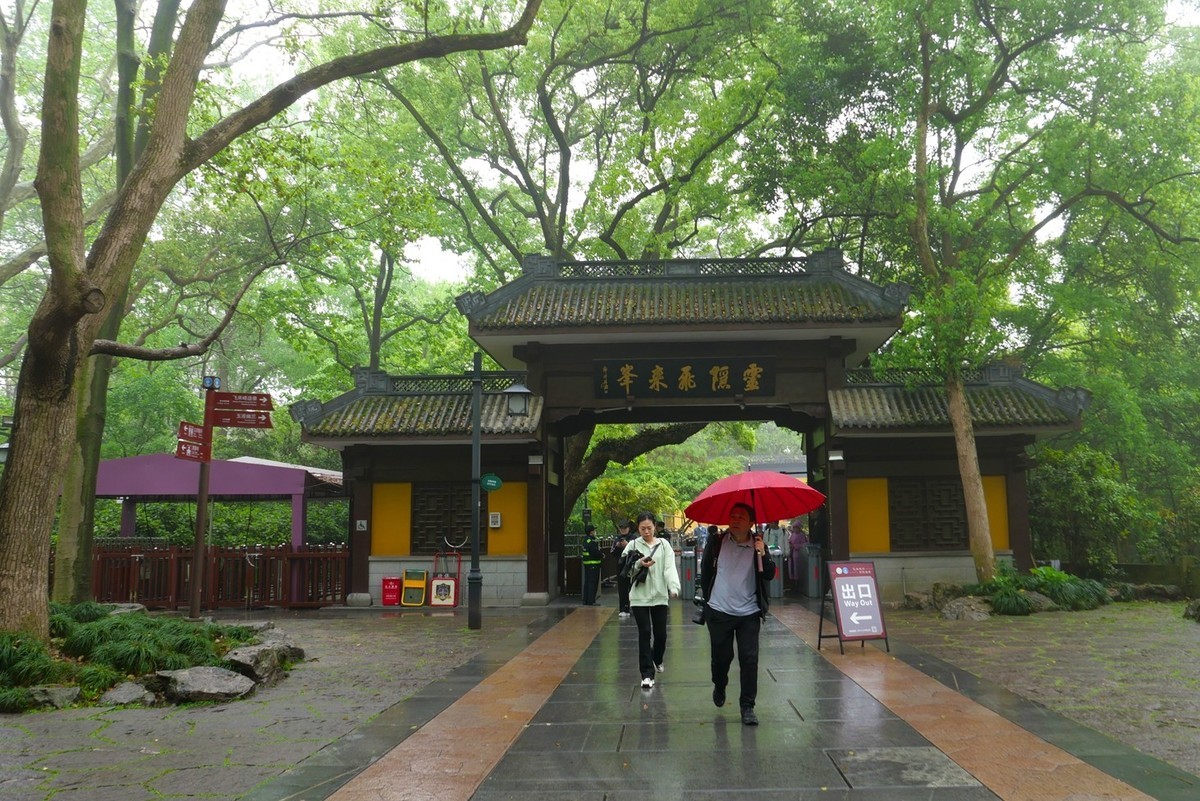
259, 401
195, 451
241, 418
191, 432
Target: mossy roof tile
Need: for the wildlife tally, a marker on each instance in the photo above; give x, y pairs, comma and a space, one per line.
896, 408
420, 416
748, 300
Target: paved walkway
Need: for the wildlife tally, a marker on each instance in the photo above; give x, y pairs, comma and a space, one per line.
564, 717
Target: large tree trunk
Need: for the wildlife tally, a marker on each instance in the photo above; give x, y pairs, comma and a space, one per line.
45, 405
38, 449
978, 529
67, 320
73, 556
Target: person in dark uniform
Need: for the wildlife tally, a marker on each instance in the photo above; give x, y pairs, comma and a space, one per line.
591, 565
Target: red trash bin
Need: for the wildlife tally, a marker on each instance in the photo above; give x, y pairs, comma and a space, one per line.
391, 590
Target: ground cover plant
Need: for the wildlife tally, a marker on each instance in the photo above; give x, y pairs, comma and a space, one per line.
1009, 591
95, 649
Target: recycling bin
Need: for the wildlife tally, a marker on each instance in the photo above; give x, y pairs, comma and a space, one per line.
811, 581
687, 569
413, 587
775, 588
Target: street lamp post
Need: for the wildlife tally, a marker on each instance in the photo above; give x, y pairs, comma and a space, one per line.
518, 405
474, 577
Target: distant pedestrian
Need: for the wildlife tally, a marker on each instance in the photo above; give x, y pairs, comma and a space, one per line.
624, 535
734, 573
649, 598
797, 539
591, 565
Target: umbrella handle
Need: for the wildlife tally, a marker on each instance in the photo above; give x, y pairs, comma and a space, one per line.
757, 539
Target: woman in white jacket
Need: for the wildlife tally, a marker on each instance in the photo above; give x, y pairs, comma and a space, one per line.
648, 598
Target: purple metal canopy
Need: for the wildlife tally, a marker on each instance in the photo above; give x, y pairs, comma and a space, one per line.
161, 477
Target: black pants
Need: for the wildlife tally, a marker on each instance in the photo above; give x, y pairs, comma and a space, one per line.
591, 583
652, 637
723, 631
622, 593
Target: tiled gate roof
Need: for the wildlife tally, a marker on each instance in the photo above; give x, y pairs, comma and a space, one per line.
999, 397
804, 298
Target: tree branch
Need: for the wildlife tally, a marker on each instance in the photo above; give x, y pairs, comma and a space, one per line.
217, 138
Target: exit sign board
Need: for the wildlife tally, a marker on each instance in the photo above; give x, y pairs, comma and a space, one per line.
856, 603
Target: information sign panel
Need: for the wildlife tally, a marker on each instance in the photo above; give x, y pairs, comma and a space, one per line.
259, 401
490, 482
194, 451
241, 418
856, 601
191, 432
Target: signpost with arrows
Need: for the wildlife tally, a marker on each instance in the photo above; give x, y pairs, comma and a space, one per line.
221, 409
856, 606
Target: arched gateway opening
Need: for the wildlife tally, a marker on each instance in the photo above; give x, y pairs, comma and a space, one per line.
773, 339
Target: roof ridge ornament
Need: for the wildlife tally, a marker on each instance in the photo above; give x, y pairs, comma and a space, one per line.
1075, 398
369, 381
539, 265
898, 292
470, 302
824, 262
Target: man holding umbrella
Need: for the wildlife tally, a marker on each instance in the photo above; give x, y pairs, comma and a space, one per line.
736, 569
734, 573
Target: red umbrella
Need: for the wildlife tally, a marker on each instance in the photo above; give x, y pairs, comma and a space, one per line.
772, 496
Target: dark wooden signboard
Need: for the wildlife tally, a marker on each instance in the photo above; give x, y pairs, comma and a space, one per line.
857, 609
700, 377
191, 432
241, 418
243, 400
193, 451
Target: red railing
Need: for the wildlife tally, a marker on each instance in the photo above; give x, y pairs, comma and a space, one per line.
234, 577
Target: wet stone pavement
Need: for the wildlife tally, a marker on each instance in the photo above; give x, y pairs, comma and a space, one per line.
1127, 670
357, 665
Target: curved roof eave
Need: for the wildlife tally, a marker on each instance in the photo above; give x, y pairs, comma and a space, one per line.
783, 299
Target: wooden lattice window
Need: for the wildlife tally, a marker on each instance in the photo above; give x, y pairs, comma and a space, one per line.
443, 511
927, 513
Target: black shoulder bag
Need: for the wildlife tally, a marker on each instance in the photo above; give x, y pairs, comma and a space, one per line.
637, 571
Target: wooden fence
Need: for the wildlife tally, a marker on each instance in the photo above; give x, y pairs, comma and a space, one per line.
287, 577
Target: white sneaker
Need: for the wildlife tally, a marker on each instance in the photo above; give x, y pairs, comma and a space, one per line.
647, 684
661, 668
623, 614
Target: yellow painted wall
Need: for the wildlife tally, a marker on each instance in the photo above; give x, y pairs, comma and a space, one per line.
867, 515
391, 519
995, 492
512, 502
